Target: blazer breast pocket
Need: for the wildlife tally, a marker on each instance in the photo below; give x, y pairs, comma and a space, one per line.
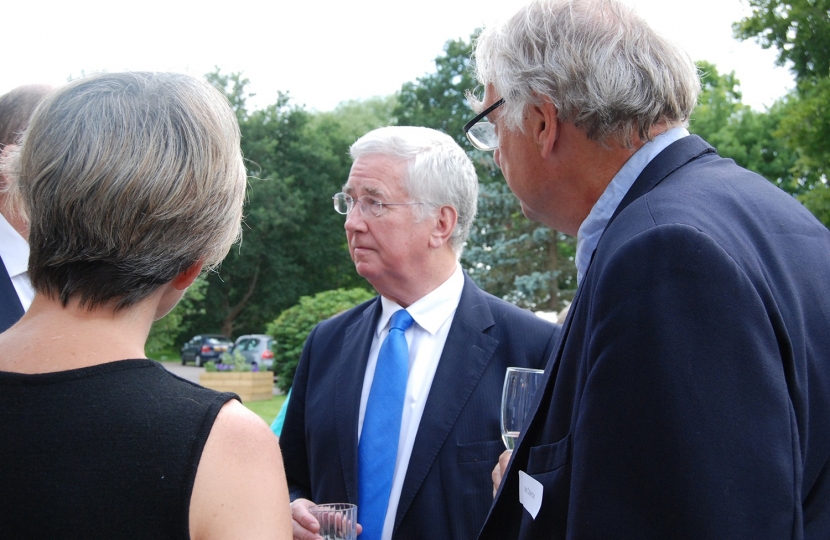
549, 465
549, 457
480, 452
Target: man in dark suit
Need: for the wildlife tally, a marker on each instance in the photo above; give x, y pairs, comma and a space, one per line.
16, 292
409, 202
689, 394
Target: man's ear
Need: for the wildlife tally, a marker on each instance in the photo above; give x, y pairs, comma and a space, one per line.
186, 278
444, 225
544, 121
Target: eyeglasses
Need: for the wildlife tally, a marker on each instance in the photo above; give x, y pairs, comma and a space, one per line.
344, 203
481, 132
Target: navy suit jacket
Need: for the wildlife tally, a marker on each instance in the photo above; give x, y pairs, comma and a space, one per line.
10, 307
689, 396
447, 490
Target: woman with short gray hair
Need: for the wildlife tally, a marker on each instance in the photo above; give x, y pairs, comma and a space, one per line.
133, 184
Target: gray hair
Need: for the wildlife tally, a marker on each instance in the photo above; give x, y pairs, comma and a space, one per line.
16, 109
438, 172
129, 179
599, 63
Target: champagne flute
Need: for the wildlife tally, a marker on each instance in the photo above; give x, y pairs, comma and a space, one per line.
520, 385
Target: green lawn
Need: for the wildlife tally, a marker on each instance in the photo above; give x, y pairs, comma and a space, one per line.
267, 410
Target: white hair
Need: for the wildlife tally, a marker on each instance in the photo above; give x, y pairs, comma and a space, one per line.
597, 61
437, 172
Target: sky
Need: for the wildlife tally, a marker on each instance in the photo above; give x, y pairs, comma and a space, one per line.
320, 52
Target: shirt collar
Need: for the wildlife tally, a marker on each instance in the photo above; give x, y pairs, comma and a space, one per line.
14, 249
594, 225
431, 311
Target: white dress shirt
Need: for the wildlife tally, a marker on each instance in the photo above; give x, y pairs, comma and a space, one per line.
594, 225
14, 251
433, 315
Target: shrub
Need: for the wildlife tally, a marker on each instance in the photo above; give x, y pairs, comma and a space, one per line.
231, 362
293, 326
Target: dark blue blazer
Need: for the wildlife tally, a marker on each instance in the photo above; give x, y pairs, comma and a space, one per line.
10, 307
689, 396
447, 490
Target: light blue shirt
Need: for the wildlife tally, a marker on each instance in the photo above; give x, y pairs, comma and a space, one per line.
594, 225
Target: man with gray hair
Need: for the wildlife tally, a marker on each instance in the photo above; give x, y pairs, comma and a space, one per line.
689, 395
16, 292
402, 417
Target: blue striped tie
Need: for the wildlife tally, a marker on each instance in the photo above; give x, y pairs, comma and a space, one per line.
378, 447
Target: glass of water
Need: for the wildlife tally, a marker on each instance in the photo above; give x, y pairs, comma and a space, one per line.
520, 385
338, 521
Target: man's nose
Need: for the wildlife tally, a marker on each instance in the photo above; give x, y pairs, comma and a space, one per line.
355, 220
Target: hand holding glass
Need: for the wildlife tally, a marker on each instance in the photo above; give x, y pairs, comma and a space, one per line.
338, 521
520, 385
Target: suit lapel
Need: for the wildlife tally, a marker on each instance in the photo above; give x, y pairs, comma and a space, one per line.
466, 354
354, 355
10, 309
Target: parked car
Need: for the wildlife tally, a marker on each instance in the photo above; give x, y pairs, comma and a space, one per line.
256, 348
205, 348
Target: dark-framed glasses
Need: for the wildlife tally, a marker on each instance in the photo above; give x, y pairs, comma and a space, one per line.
480, 132
344, 203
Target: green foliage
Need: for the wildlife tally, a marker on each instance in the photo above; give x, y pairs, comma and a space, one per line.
293, 243
817, 201
352, 119
235, 360
229, 362
799, 29
753, 139
165, 332
293, 326
439, 100
507, 255
807, 127
233, 86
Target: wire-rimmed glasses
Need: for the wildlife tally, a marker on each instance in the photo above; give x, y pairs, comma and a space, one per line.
344, 203
480, 132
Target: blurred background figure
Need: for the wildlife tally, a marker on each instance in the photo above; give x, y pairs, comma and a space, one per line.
16, 293
133, 184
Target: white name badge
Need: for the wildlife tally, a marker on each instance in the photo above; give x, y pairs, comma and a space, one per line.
530, 493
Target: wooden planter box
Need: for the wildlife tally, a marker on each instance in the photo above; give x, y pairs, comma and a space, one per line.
249, 385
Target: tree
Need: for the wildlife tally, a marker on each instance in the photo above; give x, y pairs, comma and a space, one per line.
165, 331
439, 100
753, 139
507, 255
292, 240
800, 31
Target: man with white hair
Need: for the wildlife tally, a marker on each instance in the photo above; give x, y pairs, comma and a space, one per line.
689, 395
412, 446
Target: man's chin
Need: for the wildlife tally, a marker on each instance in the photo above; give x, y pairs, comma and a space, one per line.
365, 270
530, 214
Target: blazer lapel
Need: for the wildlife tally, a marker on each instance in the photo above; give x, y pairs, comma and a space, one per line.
466, 354
666, 162
10, 308
354, 355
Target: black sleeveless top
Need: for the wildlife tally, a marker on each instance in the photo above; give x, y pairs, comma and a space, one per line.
108, 451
